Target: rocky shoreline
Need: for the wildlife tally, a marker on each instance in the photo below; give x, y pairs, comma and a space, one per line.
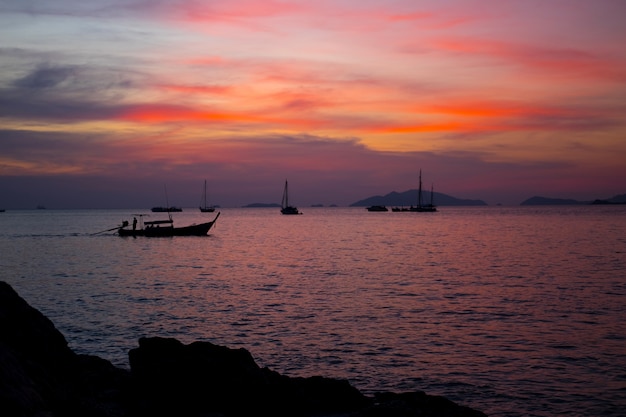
40, 376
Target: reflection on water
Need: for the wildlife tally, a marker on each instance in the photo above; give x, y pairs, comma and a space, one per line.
514, 311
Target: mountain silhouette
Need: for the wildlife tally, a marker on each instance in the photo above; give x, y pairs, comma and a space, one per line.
409, 198
548, 201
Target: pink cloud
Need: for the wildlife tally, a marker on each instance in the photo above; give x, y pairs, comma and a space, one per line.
196, 89
554, 61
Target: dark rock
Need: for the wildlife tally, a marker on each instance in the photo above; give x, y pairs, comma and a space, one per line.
172, 377
412, 404
41, 377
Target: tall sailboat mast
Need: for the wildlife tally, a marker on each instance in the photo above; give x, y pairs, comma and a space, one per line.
419, 193
285, 196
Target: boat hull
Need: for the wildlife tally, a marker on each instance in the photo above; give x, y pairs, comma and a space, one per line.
168, 231
377, 208
290, 210
424, 209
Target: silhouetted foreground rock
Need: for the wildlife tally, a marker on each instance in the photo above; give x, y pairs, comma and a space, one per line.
41, 377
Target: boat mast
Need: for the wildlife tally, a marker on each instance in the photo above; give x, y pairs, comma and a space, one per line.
167, 203
285, 196
419, 194
204, 194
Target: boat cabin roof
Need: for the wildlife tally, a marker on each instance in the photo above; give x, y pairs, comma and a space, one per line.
159, 222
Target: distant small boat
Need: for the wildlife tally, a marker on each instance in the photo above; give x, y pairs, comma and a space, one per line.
2, 210
165, 228
205, 208
377, 208
285, 207
166, 209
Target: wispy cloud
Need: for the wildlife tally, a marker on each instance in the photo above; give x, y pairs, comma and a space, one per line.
44, 77
557, 62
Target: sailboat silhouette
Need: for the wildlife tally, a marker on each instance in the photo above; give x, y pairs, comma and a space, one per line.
285, 207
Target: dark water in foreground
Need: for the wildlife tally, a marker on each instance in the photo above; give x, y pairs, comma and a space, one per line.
513, 311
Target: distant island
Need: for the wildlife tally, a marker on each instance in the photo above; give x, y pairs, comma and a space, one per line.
262, 205
409, 198
547, 201
272, 205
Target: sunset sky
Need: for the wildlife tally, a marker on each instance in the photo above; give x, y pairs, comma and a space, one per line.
104, 103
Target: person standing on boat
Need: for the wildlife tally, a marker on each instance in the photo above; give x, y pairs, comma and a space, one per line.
134, 223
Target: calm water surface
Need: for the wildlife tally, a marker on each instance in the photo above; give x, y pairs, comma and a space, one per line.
513, 311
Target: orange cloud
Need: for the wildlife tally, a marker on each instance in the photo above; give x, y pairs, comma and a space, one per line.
492, 109
151, 114
419, 128
163, 114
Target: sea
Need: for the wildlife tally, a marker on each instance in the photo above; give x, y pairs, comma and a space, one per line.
514, 311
